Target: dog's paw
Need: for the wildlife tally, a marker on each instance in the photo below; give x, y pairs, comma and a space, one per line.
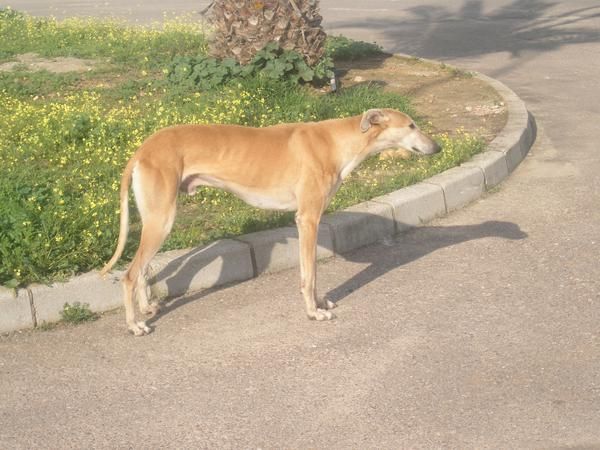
139, 329
325, 304
321, 314
151, 310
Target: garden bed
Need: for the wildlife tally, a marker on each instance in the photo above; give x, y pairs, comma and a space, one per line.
66, 136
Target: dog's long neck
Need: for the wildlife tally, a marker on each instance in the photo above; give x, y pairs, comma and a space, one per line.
354, 145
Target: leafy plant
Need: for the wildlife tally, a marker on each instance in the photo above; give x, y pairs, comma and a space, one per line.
203, 72
278, 64
77, 313
272, 62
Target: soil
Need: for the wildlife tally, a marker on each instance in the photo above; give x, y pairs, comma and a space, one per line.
449, 98
34, 62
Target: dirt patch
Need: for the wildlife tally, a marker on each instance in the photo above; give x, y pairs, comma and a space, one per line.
450, 99
34, 62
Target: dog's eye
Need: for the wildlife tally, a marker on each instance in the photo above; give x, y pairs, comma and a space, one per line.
412, 126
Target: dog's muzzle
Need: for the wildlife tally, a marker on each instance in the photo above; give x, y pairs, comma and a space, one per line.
431, 149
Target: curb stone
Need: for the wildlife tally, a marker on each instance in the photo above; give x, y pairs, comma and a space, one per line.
182, 271
518, 134
101, 294
15, 310
176, 272
461, 185
415, 205
360, 225
492, 164
278, 249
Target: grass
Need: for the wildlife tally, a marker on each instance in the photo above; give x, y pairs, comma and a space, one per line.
65, 139
123, 44
77, 313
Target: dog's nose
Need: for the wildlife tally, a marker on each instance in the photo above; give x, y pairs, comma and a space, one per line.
436, 147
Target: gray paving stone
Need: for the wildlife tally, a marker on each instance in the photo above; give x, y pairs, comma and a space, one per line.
510, 145
529, 136
415, 205
101, 294
15, 310
461, 185
179, 271
516, 137
494, 167
276, 250
360, 225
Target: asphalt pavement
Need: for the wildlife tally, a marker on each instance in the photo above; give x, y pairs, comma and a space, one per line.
479, 330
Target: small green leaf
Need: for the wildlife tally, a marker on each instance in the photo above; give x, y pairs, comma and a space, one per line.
11, 284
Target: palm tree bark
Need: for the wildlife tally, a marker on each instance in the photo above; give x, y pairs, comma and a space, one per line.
243, 27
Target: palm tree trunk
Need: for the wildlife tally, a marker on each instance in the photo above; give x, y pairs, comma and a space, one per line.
243, 27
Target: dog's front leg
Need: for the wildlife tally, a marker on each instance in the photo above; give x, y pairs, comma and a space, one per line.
308, 225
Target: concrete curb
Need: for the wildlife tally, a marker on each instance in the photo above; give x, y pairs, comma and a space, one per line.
276, 250
176, 272
226, 261
360, 225
16, 311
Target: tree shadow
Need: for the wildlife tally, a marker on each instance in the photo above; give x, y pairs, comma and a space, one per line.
438, 32
177, 275
342, 67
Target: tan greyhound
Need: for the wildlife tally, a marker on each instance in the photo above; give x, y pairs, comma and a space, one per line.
294, 167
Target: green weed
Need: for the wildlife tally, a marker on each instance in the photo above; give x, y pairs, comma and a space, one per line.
77, 313
272, 63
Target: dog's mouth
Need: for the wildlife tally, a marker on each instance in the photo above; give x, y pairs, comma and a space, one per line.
420, 152
432, 150
422, 145
426, 150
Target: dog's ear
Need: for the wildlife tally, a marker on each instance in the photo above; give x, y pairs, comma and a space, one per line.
372, 117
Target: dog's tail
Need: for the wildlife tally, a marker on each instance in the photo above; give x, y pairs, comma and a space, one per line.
124, 207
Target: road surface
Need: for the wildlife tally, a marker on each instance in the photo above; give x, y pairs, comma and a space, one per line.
480, 330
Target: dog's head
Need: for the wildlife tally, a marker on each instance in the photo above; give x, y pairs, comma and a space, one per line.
392, 129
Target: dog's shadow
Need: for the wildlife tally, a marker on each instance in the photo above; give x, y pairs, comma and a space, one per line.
415, 244
176, 276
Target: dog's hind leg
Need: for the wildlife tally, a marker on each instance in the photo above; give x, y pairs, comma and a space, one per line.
156, 195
